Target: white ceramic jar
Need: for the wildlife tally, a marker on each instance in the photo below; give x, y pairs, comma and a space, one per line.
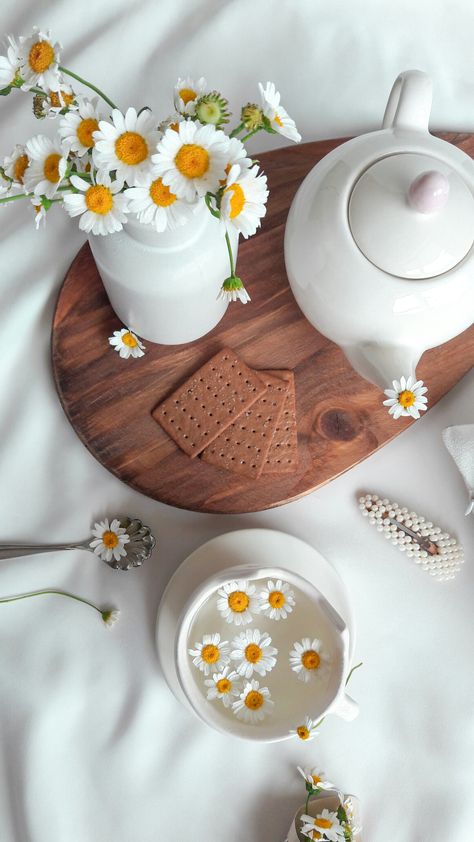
165, 286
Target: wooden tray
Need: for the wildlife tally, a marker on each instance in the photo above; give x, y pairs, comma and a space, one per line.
341, 419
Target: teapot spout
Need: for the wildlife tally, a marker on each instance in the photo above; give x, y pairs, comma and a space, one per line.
381, 364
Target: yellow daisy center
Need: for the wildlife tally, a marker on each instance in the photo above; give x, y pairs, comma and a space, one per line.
310, 660
316, 779
325, 823
303, 732
110, 540
192, 160
210, 653
237, 200
19, 167
253, 653
99, 199
174, 126
238, 601
41, 56
278, 121
315, 834
406, 398
129, 339
276, 599
66, 99
85, 131
254, 700
51, 167
131, 148
161, 194
187, 95
223, 685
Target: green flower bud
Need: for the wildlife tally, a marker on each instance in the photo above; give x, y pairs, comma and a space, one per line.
212, 108
252, 117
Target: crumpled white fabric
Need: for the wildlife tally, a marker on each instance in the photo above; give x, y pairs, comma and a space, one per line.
460, 443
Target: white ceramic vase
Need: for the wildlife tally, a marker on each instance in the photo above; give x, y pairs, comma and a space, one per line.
165, 286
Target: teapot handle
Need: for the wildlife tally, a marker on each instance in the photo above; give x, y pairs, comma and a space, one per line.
409, 103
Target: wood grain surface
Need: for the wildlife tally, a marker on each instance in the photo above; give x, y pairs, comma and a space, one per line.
341, 419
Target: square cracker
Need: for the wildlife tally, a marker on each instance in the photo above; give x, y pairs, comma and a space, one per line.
282, 457
243, 447
207, 403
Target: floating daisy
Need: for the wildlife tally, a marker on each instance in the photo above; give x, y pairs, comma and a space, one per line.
192, 160
110, 539
101, 206
308, 660
156, 205
406, 398
57, 101
77, 127
305, 731
40, 213
126, 145
243, 200
254, 703
223, 685
186, 92
253, 652
126, 343
39, 58
315, 778
16, 164
9, 64
237, 602
326, 825
277, 600
47, 167
280, 121
211, 654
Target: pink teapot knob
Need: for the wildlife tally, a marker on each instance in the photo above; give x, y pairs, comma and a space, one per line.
429, 192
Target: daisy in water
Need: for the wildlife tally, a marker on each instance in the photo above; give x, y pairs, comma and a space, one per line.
306, 731
47, 167
254, 703
308, 660
101, 206
253, 652
125, 145
210, 654
280, 120
277, 600
224, 686
237, 602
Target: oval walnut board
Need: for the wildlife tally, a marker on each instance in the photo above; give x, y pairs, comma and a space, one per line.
340, 417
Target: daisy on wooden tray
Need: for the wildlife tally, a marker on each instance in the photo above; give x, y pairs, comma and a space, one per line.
406, 398
211, 654
253, 652
127, 344
308, 659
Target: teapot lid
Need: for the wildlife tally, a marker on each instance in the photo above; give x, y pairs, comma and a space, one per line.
412, 215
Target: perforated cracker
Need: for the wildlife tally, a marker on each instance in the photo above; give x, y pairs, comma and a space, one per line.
282, 457
208, 402
243, 447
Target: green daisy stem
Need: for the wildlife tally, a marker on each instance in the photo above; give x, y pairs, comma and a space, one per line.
237, 130
14, 198
212, 210
57, 593
250, 134
231, 256
88, 85
307, 803
356, 667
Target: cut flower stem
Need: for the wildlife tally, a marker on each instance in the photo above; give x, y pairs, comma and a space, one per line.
88, 85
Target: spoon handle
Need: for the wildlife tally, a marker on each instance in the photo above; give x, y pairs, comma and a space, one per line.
18, 550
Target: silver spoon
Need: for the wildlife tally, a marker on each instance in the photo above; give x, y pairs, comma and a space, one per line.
138, 549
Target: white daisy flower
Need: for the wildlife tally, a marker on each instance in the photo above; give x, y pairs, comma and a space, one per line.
77, 128
254, 703
237, 602
101, 206
223, 685
315, 778
277, 600
308, 660
110, 616
57, 101
126, 145
110, 540
243, 200
127, 344
280, 121
253, 653
305, 731
326, 825
192, 161
16, 164
39, 59
156, 205
47, 168
210, 654
10, 63
231, 290
186, 92
40, 213
406, 398
171, 122
236, 155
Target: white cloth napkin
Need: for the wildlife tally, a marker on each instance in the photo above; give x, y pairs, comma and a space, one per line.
460, 443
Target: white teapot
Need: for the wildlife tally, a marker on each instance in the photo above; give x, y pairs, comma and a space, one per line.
379, 240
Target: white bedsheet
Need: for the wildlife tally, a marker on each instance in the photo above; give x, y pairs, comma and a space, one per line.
94, 748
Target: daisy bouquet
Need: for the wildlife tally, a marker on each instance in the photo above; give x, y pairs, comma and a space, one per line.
328, 825
105, 164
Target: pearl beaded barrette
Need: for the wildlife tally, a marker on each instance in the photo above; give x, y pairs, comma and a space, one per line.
435, 551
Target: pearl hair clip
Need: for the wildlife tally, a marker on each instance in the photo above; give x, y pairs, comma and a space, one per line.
435, 551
